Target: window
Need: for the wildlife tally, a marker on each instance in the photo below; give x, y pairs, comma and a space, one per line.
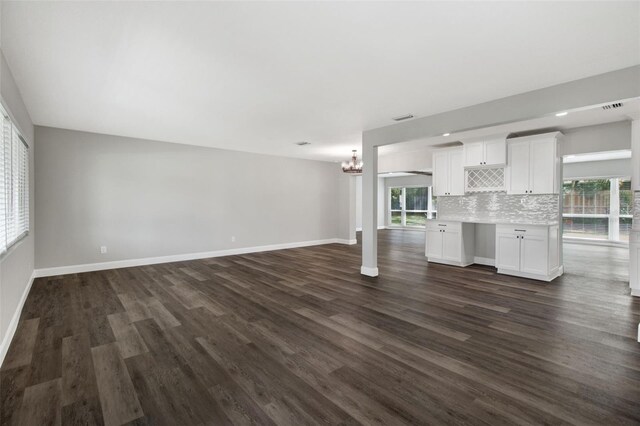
411, 206
14, 185
597, 209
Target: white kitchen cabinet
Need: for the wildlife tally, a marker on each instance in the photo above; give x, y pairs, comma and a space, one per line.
518, 167
448, 242
530, 251
533, 165
448, 172
507, 251
491, 152
433, 247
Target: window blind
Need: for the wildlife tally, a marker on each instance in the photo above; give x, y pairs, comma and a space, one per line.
6, 126
14, 185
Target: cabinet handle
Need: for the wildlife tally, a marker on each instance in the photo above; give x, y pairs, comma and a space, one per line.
520, 230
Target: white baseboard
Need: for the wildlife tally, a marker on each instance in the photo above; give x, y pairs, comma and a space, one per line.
484, 261
370, 272
348, 242
13, 324
128, 263
594, 242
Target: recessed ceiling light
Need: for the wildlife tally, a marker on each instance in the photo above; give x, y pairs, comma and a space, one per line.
562, 114
446, 134
303, 143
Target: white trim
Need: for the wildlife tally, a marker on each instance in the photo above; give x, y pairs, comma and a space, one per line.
635, 291
347, 242
484, 261
407, 228
370, 272
594, 242
88, 267
552, 276
13, 324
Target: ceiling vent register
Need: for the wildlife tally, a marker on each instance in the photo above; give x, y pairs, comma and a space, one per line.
485, 180
612, 106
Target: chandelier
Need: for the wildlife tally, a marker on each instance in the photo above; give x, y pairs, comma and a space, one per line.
354, 166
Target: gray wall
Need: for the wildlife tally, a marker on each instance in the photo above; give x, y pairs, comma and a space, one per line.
16, 266
144, 198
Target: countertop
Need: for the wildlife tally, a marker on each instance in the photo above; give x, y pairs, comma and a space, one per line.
490, 221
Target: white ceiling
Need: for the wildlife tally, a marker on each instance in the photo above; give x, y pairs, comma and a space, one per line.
261, 76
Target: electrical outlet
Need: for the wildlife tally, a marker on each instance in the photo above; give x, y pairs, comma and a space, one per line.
103, 249
233, 239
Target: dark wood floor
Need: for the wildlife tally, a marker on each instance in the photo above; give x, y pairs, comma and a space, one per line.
299, 337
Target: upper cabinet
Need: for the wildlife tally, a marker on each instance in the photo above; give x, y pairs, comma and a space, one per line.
533, 164
448, 172
490, 152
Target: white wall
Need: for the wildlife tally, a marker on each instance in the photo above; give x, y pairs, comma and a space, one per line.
597, 169
144, 198
16, 266
406, 161
602, 137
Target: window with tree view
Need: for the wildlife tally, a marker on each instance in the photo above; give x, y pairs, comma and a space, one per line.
411, 206
597, 209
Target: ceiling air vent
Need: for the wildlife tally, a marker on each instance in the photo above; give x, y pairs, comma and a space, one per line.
303, 143
613, 106
403, 117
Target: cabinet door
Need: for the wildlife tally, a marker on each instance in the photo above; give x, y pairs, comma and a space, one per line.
456, 173
534, 255
434, 243
507, 252
473, 154
495, 152
440, 173
543, 165
452, 245
518, 167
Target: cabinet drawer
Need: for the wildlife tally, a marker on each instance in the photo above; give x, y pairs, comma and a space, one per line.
535, 230
444, 224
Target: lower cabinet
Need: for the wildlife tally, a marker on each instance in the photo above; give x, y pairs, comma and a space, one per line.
528, 251
449, 242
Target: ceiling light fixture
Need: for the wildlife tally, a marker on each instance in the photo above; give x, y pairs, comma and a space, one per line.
446, 134
562, 114
403, 117
354, 166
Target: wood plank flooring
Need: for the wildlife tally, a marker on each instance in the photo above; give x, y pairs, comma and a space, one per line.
297, 337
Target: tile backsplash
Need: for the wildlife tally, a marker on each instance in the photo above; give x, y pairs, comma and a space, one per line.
500, 206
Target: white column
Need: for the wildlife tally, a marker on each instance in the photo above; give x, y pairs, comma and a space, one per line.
634, 237
614, 210
369, 210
